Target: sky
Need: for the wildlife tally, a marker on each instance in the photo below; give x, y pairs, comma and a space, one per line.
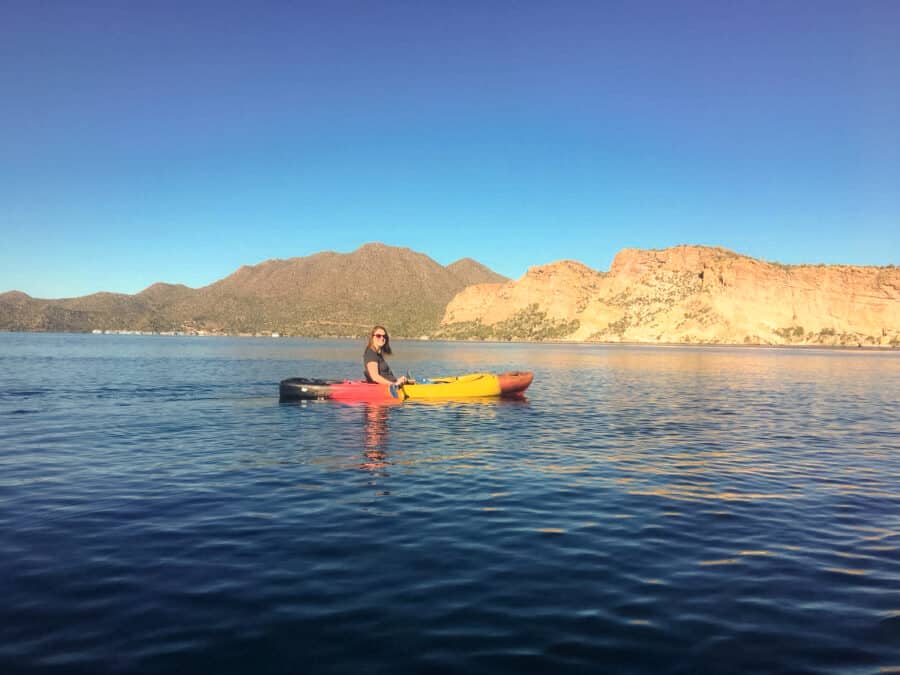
176, 141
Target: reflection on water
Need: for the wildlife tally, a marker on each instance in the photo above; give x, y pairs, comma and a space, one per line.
375, 419
438, 425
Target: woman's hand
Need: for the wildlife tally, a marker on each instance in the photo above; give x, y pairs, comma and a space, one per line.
401, 380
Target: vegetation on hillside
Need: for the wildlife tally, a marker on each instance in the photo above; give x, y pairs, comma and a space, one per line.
530, 323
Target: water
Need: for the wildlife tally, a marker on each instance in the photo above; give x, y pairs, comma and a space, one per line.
645, 510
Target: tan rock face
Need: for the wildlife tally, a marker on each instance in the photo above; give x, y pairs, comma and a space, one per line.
559, 288
698, 294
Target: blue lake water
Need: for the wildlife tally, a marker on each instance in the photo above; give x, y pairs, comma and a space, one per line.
645, 510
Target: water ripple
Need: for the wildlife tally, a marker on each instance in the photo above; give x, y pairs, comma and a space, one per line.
677, 511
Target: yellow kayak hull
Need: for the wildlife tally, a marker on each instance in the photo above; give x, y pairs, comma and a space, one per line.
464, 386
471, 385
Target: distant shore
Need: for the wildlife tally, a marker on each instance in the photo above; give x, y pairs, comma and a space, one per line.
208, 334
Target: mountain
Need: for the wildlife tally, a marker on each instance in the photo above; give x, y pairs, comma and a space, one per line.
686, 294
323, 294
471, 272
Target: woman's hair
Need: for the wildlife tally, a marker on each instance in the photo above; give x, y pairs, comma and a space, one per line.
386, 349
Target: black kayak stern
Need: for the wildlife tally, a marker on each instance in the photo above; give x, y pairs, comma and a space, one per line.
304, 389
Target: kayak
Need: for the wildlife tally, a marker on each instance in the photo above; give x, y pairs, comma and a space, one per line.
471, 385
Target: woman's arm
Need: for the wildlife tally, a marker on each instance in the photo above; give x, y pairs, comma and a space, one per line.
372, 370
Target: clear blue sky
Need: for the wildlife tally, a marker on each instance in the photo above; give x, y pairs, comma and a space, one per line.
176, 141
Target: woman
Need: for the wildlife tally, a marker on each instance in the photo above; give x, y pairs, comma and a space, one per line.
377, 370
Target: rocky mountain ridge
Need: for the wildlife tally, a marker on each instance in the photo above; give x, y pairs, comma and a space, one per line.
325, 294
687, 294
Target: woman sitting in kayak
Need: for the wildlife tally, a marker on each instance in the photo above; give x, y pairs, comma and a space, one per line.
377, 370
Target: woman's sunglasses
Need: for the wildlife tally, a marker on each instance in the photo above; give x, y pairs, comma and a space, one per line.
379, 335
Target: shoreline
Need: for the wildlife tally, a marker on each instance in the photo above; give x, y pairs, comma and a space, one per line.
581, 343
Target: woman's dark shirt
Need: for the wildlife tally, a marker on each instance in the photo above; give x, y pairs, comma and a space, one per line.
383, 368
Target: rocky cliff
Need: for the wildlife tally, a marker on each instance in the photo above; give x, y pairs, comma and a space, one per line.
687, 294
